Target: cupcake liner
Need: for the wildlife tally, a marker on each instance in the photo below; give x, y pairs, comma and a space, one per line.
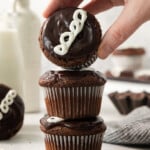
85, 142
84, 65
74, 102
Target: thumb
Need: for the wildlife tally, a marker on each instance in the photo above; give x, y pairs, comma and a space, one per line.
51, 7
129, 20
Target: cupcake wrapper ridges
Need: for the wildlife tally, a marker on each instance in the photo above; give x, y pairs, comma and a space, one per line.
74, 102
86, 142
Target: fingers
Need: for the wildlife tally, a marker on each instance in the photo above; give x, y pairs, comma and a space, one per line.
96, 6
125, 25
56, 4
51, 7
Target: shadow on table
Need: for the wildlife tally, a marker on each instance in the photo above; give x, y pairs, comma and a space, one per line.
139, 146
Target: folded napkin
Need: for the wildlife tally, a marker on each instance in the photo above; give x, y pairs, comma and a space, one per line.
134, 129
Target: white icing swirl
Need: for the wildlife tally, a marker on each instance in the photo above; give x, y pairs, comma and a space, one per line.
53, 119
6, 102
67, 38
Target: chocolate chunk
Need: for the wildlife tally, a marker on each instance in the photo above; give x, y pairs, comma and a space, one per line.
125, 102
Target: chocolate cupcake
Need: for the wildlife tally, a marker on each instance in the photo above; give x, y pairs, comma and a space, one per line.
125, 102
128, 59
70, 38
73, 94
11, 112
84, 134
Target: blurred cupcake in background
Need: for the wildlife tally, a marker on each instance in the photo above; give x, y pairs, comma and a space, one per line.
143, 75
130, 59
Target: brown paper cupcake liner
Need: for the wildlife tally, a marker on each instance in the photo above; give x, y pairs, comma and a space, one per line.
86, 142
74, 102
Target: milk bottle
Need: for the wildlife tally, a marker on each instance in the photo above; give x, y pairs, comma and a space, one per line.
10, 55
28, 26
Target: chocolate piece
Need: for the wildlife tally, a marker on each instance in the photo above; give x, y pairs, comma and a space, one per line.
12, 113
129, 51
82, 52
125, 102
121, 101
147, 100
70, 94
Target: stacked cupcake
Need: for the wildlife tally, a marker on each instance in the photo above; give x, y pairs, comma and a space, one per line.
70, 38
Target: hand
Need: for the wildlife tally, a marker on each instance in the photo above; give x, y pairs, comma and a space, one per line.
134, 14
56, 4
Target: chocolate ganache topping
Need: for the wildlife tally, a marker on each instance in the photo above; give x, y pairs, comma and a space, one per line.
84, 124
86, 42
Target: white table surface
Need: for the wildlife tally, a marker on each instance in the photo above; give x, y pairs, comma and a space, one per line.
31, 138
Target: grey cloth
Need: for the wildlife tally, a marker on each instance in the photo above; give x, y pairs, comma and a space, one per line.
134, 129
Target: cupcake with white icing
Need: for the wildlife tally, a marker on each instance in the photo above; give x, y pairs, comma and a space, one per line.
11, 112
70, 38
130, 59
85, 134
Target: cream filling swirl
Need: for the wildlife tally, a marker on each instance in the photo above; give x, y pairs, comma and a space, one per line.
6, 102
67, 38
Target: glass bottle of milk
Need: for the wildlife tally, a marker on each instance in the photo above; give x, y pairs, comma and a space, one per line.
10, 54
28, 26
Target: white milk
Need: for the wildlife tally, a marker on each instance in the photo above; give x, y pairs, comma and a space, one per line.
28, 26
10, 59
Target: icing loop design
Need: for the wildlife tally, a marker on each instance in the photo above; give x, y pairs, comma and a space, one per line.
6, 102
54, 119
67, 38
